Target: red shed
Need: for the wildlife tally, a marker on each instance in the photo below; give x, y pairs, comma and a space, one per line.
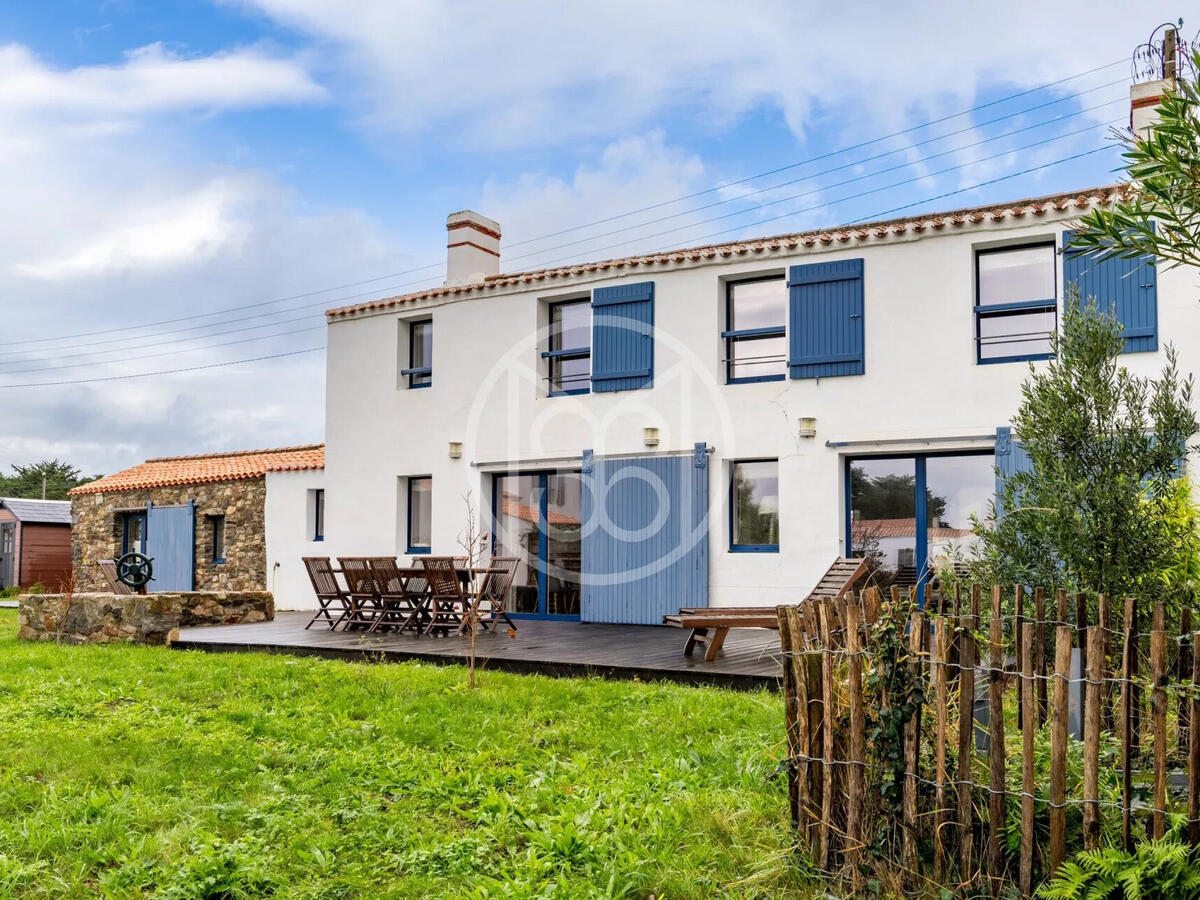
35, 542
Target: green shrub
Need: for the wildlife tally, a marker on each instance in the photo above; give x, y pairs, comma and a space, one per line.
1156, 870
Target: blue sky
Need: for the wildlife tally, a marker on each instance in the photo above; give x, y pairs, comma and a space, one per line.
169, 159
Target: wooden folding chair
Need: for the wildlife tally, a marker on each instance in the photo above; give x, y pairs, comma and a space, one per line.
329, 593
362, 591
404, 603
492, 601
447, 600
108, 568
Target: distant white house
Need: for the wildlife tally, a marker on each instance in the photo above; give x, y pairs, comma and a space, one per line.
711, 425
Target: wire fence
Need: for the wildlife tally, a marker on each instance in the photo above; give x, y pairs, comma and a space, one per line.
966, 748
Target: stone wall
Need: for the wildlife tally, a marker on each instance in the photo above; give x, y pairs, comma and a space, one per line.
97, 530
135, 618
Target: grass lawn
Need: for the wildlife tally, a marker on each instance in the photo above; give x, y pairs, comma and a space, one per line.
132, 771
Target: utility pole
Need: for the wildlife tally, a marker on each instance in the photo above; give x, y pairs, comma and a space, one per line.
43, 485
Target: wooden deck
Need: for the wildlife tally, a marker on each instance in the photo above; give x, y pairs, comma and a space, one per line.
750, 658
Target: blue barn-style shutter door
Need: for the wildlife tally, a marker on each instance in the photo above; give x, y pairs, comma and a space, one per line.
825, 327
623, 337
645, 536
1129, 287
171, 543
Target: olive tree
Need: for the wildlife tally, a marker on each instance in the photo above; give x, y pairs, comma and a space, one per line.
1099, 507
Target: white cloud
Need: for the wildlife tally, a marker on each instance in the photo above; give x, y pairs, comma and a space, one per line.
524, 75
152, 79
183, 230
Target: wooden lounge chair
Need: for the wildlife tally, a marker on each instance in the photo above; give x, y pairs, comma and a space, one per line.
837, 580
403, 598
330, 596
365, 605
108, 568
493, 595
447, 599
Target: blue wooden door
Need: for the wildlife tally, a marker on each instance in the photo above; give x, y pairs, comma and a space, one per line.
171, 543
645, 536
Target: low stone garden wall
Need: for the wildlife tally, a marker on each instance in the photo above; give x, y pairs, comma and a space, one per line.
148, 619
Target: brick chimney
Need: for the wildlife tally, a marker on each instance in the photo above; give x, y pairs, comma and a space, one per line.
472, 248
1145, 96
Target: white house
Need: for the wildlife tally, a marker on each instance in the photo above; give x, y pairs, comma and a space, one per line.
712, 425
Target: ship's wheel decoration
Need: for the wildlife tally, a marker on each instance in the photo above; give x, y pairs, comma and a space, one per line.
135, 570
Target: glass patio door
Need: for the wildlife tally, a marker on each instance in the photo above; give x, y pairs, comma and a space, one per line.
909, 514
536, 518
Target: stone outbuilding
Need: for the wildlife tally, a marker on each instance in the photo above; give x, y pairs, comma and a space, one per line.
203, 519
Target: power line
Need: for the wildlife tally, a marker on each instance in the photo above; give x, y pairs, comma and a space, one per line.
846, 149
797, 212
871, 217
894, 168
723, 186
153, 339
232, 362
735, 213
141, 356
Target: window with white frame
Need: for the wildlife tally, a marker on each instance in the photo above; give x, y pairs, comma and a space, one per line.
756, 330
1016, 306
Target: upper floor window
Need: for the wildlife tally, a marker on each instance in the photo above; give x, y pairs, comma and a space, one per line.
755, 330
569, 354
754, 506
1016, 307
420, 514
420, 354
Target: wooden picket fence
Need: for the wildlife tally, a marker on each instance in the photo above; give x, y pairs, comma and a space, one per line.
949, 830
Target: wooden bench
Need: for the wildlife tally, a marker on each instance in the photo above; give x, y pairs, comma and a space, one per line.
837, 580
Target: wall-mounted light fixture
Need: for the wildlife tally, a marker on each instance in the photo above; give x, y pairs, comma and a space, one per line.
650, 437
456, 449
807, 427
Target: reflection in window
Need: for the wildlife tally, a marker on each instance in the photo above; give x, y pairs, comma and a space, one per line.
963, 485
420, 354
570, 347
883, 513
1016, 309
420, 514
883, 519
755, 330
754, 500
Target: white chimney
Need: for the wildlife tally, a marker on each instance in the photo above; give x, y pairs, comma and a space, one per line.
1145, 96
472, 248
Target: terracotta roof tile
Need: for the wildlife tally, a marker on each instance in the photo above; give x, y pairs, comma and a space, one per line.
169, 470
1036, 206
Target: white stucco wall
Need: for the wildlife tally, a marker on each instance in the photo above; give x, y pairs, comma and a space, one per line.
922, 382
290, 528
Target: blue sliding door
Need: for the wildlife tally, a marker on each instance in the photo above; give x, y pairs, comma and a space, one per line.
645, 539
170, 540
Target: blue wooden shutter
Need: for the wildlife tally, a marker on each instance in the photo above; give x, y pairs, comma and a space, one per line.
825, 328
171, 544
1129, 287
1010, 459
623, 337
645, 536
